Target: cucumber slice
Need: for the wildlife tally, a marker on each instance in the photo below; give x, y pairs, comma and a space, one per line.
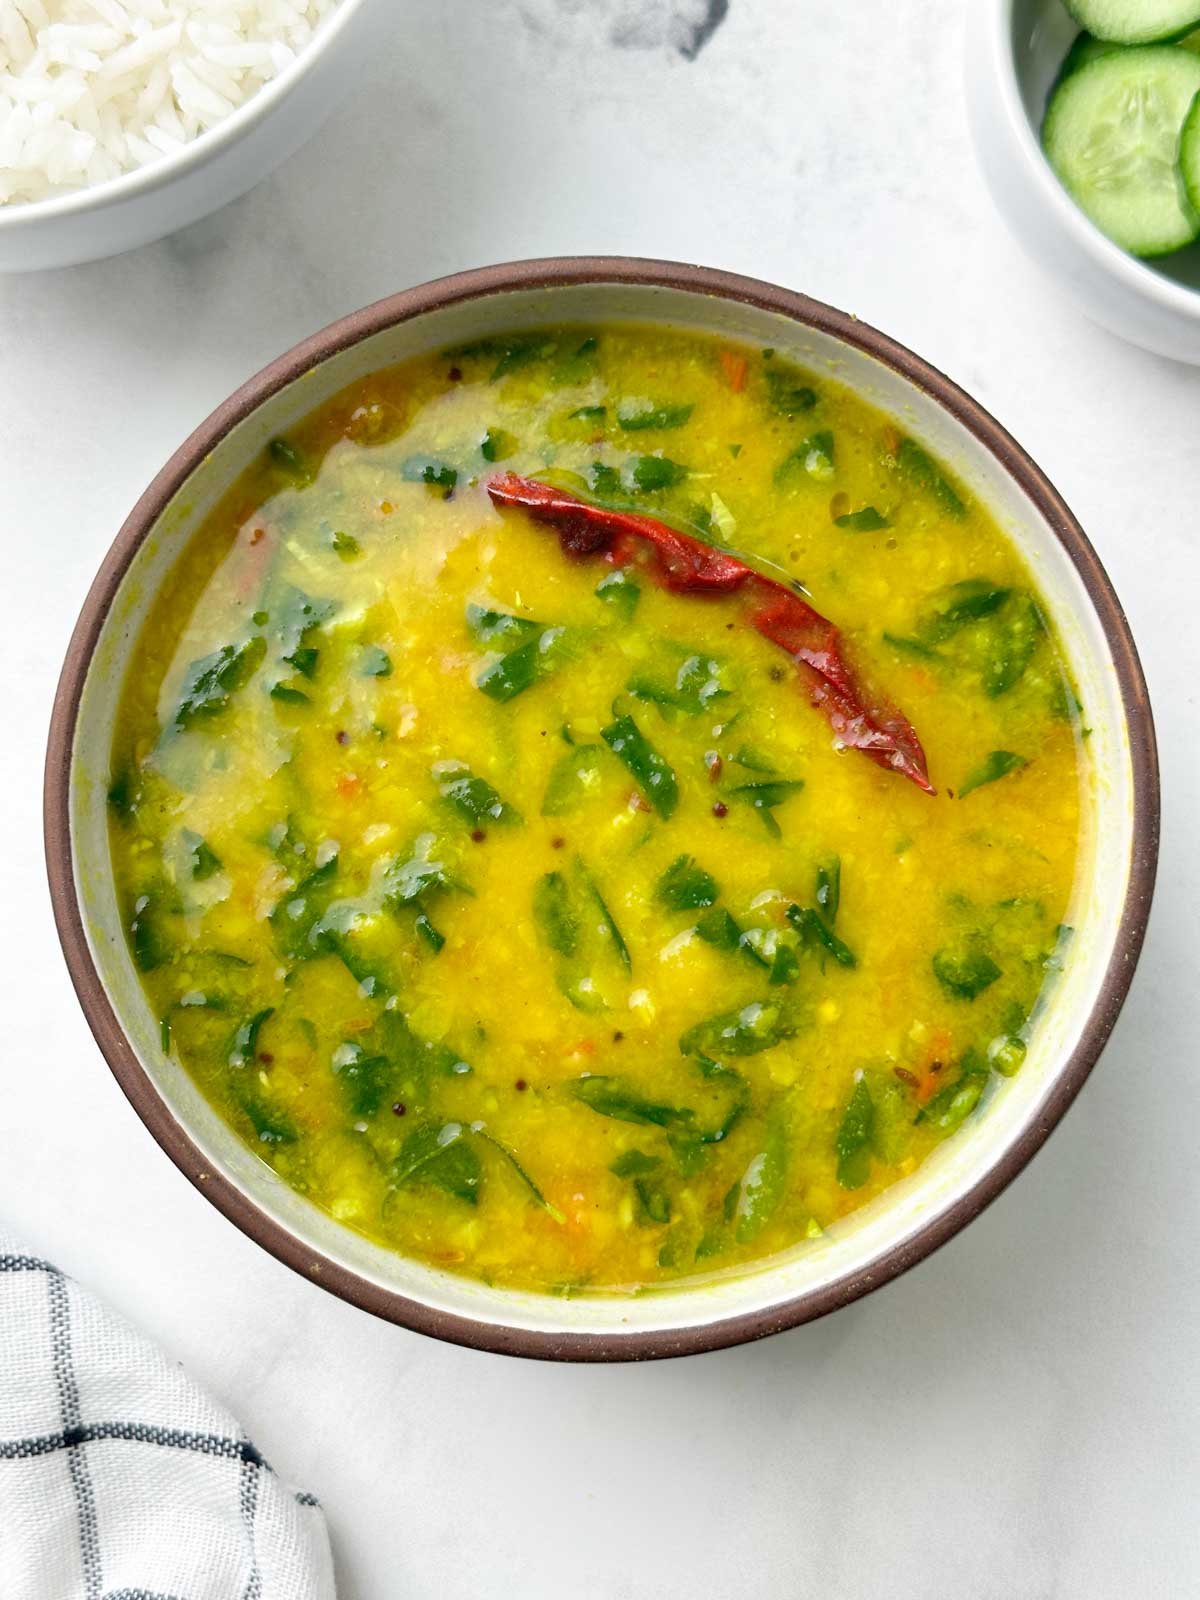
1136, 21
1112, 134
1189, 155
1086, 48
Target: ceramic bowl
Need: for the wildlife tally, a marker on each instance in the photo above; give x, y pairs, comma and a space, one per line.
217, 166
1014, 51
875, 1243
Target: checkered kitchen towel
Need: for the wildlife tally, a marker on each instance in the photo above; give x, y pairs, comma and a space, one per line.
119, 1478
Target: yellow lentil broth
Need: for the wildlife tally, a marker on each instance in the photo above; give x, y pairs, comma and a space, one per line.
451, 1014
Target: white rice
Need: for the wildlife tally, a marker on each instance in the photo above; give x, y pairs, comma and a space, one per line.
90, 89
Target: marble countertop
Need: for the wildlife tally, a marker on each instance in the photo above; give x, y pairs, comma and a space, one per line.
1018, 1418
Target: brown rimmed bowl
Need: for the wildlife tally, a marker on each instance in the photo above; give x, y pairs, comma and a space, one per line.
901, 1227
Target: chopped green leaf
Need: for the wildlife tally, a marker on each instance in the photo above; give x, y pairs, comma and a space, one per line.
296, 918
434, 474
958, 606
474, 798
289, 695
150, 948
752, 759
720, 1077
578, 365
866, 520
612, 1097
686, 887
718, 928
785, 964
1006, 1053
121, 794
503, 680
573, 777
608, 923
635, 416
919, 467
374, 662
787, 393
818, 935
951, 1106
289, 458
829, 888
1013, 640
202, 861
997, 764
366, 1080
581, 989
304, 658
497, 445
296, 616
764, 1183
852, 1144
606, 482
344, 544
651, 473
535, 1192
699, 681
654, 776
554, 914
654, 1201
965, 972
441, 1157
508, 355
814, 457
634, 1164
210, 683
621, 592
588, 414
743, 1032
762, 946
521, 668
911, 647
272, 1125
764, 797
405, 881
244, 1045
501, 627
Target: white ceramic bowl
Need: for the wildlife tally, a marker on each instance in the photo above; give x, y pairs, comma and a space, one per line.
1014, 51
875, 1243
214, 168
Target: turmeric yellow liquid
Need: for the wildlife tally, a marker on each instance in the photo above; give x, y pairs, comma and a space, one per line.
428, 940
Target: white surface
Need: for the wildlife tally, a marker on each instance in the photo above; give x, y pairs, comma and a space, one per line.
1015, 49
1018, 1418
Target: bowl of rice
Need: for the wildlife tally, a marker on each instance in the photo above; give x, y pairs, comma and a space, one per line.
124, 120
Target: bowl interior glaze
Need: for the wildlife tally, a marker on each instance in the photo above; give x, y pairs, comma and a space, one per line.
875, 1243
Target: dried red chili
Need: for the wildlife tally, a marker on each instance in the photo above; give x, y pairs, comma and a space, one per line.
686, 566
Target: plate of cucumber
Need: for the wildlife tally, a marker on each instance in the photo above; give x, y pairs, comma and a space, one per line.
1086, 117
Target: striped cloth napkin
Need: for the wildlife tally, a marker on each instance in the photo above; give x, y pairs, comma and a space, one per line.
119, 1478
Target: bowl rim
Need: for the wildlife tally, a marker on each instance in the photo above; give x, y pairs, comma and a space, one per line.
289, 1247
1135, 272
199, 152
